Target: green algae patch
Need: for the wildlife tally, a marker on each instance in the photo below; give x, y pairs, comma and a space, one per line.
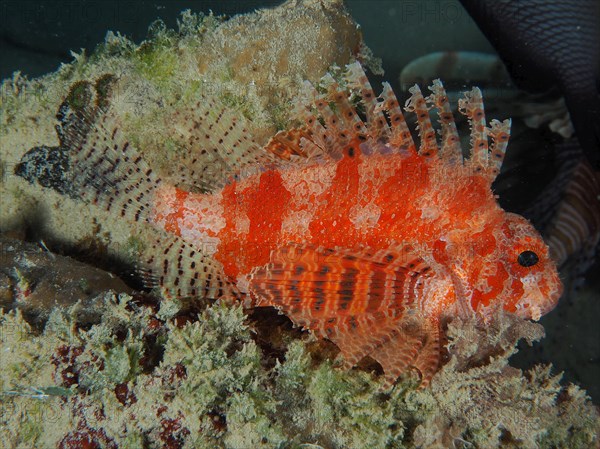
156, 59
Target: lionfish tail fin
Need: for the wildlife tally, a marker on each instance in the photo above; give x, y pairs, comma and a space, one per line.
97, 163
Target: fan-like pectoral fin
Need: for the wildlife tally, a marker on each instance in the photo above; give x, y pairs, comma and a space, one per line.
395, 344
362, 336
367, 303
414, 343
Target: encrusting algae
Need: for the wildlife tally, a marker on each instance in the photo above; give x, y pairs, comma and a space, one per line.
144, 377
313, 221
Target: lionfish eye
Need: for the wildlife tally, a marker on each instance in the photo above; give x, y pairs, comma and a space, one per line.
528, 258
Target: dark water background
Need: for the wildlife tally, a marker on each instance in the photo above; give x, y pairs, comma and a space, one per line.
37, 36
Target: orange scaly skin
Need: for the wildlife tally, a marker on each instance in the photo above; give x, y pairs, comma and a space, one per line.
377, 247
437, 208
349, 229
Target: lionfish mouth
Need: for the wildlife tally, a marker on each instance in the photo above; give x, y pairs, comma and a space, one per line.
540, 296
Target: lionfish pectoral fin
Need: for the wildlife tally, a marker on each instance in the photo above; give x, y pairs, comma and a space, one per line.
356, 299
401, 350
396, 344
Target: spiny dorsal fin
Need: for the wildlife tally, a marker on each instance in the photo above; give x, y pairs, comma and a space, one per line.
331, 121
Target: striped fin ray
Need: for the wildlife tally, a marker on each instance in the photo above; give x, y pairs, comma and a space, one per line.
332, 281
499, 133
363, 301
328, 131
481, 161
347, 112
313, 140
429, 359
180, 270
394, 344
471, 105
286, 145
400, 134
376, 122
218, 145
450, 148
344, 123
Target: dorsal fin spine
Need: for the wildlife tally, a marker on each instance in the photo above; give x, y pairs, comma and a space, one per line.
417, 104
450, 148
401, 136
499, 133
471, 105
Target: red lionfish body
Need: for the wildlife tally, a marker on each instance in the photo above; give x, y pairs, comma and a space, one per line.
347, 227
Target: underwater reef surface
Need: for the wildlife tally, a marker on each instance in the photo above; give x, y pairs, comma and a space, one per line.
125, 370
149, 375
